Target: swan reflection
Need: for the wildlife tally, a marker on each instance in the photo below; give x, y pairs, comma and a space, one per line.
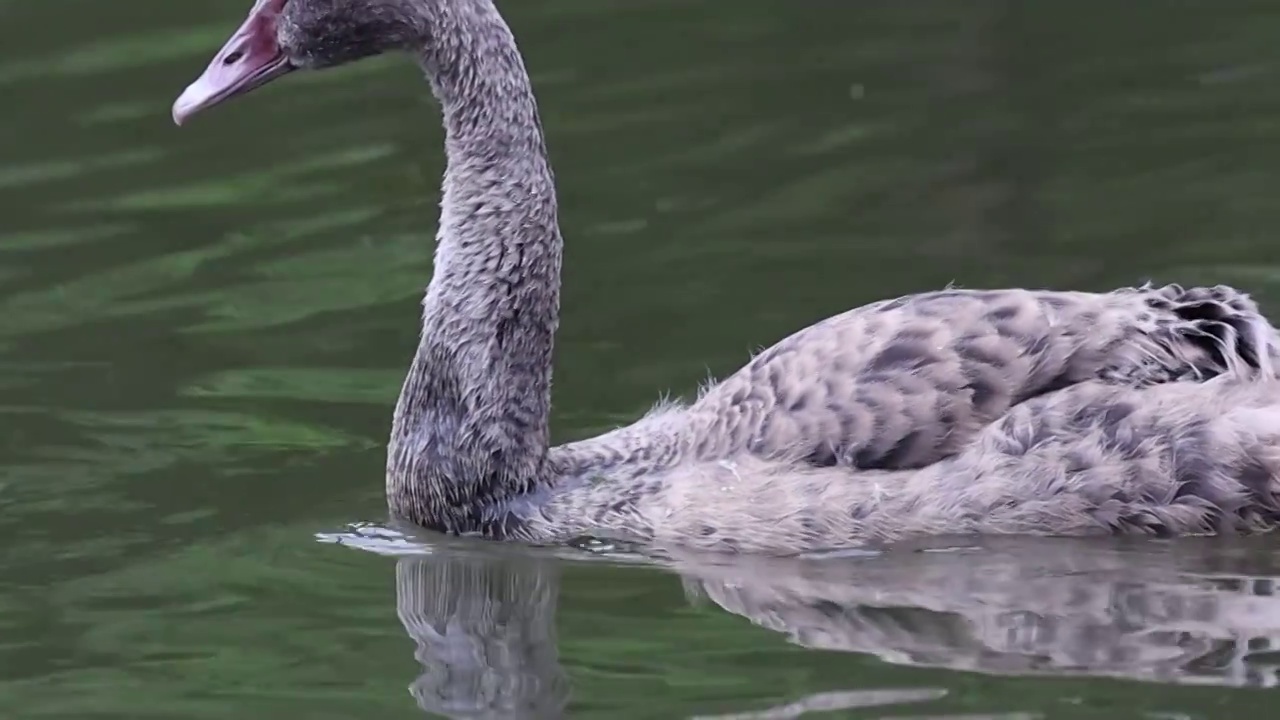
484, 627
1185, 612
1191, 612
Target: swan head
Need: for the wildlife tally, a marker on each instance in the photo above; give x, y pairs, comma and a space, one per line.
280, 36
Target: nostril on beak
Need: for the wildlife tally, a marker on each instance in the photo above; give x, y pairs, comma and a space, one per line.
233, 57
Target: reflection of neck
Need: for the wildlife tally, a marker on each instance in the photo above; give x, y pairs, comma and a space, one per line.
476, 403
485, 635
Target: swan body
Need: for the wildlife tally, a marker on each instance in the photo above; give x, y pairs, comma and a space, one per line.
1172, 459
1149, 410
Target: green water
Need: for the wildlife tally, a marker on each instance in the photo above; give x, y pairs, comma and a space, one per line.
202, 332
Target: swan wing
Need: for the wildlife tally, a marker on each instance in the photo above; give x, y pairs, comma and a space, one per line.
906, 382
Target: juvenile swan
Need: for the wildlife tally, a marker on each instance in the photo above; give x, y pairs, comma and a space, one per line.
1149, 410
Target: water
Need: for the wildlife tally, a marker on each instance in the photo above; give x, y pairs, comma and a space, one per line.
202, 333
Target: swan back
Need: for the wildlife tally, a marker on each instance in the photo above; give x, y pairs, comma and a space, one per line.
907, 382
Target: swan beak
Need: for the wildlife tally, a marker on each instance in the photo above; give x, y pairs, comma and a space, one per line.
250, 59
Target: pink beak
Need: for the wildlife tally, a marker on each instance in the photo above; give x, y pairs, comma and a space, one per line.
250, 59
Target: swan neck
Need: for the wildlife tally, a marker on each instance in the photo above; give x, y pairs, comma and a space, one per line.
471, 429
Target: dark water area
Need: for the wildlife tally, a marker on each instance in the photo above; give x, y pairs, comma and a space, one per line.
203, 331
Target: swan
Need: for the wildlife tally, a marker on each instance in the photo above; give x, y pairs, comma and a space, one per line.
1145, 410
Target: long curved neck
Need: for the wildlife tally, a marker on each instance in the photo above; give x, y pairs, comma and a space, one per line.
470, 430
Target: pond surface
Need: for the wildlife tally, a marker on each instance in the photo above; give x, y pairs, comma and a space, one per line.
203, 331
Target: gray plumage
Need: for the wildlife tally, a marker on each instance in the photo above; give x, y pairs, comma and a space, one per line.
1143, 410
